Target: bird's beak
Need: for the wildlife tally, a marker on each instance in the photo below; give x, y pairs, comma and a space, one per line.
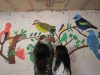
33, 24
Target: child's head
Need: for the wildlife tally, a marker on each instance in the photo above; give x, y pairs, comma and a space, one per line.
62, 56
61, 51
41, 51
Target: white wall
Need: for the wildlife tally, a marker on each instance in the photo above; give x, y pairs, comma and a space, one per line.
83, 61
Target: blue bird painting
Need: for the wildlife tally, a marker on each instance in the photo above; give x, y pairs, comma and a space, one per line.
93, 43
82, 23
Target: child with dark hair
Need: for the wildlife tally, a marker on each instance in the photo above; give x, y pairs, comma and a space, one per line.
43, 59
62, 61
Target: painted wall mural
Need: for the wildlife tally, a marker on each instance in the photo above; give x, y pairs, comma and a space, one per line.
13, 51
81, 24
79, 32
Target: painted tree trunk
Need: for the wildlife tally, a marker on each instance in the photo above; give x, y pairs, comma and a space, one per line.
11, 52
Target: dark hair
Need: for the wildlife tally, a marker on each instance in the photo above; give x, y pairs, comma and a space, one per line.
62, 57
41, 52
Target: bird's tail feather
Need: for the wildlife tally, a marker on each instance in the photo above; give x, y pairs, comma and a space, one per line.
94, 27
52, 27
52, 31
97, 54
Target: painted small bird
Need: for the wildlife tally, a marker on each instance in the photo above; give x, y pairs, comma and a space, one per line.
60, 28
82, 23
93, 43
44, 27
5, 33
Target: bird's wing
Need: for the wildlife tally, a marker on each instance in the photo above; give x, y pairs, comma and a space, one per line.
2, 38
47, 27
93, 42
44, 25
97, 43
84, 22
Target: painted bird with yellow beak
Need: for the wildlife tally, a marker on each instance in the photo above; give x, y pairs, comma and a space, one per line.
44, 27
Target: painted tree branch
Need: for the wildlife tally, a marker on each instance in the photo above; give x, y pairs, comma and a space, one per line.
23, 38
2, 48
80, 32
15, 40
65, 30
78, 49
2, 51
74, 27
68, 42
58, 38
9, 38
4, 56
11, 56
28, 38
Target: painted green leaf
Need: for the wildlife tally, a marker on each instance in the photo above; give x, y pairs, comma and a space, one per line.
21, 31
70, 35
15, 32
24, 31
76, 46
68, 26
98, 34
32, 40
78, 41
28, 48
31, 34
75, 37
68, 30
64, 37
31, 56
35, 33
83, 41
14, 52
31, 45
39, 33
71, 27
